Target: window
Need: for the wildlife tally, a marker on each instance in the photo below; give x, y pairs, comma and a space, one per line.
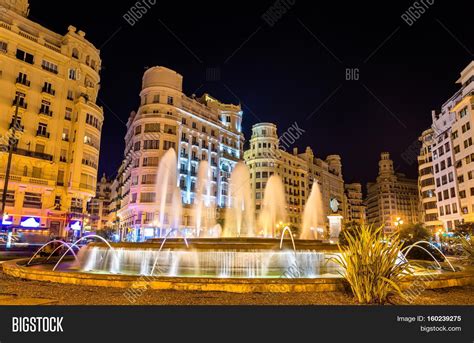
455, 208
45, 108
3, 46
60, 178
441, 211
151, 144
136, 146
150, 161
168, 145
49, 66
148, 179
170, 100
72, 74
451, 177
25, 57
68, 113
446, 194
32, 200
153, 127
138, 130
147, 197
75, 53
457, 150
65, 135
63, 155
468, 142
156, 99
42, 130
463, 112
70, 95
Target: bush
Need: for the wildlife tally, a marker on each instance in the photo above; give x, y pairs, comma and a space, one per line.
371, 264
467, 244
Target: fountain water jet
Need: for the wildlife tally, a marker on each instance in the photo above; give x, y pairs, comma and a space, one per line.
313, 216
274, 207
51, 242
240, 214
80, 240
417, 244
204, 211
166, 183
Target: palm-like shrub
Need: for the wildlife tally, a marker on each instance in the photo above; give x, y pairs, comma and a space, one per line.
372, 265
467, 244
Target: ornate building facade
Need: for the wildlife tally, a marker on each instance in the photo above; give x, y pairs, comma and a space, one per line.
426, 184
355, 207
198, 129
391, 196
50, 83
297, 171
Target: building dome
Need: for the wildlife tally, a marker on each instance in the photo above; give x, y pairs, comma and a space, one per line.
162, 77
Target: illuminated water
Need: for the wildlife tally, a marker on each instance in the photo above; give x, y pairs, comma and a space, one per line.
210, 263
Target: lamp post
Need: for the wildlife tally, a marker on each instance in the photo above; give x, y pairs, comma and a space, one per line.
12, 141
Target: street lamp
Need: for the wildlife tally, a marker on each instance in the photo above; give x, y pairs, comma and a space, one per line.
398, 222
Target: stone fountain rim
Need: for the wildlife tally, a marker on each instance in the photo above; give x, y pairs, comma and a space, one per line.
17, 268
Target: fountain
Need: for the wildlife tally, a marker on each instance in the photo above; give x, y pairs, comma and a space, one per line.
313, 215
204, 209
245, 248
166, 187
274, 207
240, 213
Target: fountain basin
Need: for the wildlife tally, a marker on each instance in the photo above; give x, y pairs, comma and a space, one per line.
241, 258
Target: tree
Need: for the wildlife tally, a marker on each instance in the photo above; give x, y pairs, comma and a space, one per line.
412, 233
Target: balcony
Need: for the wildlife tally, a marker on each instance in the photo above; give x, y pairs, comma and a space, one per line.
43, 134
49, 91
51, 70
27, 153
46, 112
23, 81
21, 103
18, 126
229, 156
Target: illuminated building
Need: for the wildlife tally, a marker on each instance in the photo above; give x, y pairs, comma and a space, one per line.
297, 171
355, 208
100, 208
392, 197
198, 129
426, 184
53, 79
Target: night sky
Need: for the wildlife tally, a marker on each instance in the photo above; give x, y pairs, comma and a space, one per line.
293, 71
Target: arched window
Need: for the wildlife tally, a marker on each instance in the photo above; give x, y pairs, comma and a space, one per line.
75, 53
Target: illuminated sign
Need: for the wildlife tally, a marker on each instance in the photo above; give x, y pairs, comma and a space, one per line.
76, 226
149, 232
7, 220
30, 222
